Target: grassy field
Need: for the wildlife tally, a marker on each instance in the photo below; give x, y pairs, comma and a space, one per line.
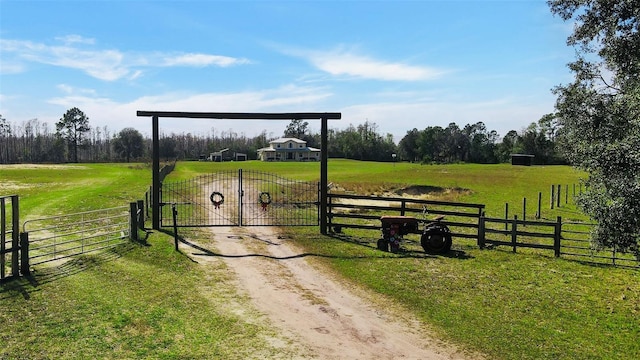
135, 301
492, 185
150, 302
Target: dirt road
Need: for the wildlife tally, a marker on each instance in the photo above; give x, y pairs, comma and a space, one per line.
322, 318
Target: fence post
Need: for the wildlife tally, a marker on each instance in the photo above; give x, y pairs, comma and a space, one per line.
133, 221
553, 195
329, 212
403, 205
566, 194
524, 209
15, 234
146, 204
556, 237
174, 211
481, 234
539, 214
514, 232
24, 254
506, 216
140, 213
559, 189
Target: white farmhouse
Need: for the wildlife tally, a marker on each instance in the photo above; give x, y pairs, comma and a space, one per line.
288, 149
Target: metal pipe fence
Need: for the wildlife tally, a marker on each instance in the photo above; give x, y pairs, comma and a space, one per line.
57, 237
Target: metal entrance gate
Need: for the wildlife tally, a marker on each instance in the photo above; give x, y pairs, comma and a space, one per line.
239, 198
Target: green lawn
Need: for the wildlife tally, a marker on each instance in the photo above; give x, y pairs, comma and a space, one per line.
135, 301
492, 185
148, 301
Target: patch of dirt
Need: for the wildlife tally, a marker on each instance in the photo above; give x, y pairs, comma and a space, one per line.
317, 313
422, 192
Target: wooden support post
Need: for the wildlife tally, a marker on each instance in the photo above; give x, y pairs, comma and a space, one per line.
324, 158
553, 196
24, 254
481, 233
15, 235
155, 186
329, 211
556, 237
506, 216
174, 213
539, 214
514, 233
566, 194
133, 221
146, 204
140, 213
524, 209
559, 189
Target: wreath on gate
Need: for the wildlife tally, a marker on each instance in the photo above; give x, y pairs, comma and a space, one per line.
217, 199
265, 199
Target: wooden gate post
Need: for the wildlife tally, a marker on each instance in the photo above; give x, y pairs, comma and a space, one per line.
174, 213
539, 214
481, 234
133, 221
155, 177
140, 213
24, 254
557, 234
324, 191
514, 233
15, 235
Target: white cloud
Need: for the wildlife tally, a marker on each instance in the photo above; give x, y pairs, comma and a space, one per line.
349, 63
103, 64
365, 67
68, 89
75, 39
8, 68
118, 115
201, 60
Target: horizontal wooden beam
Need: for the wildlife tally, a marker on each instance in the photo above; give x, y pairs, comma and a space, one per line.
241, 116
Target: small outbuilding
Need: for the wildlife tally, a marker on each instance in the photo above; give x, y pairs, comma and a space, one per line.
522, 159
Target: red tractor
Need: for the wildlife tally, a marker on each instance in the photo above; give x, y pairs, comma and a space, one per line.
435, 239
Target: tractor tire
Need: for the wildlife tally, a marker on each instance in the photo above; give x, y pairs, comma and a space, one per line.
383, 245
436, 242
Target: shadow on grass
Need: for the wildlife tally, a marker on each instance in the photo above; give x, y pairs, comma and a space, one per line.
23, 286
404, 251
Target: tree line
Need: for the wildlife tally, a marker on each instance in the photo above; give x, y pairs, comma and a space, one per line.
72, 139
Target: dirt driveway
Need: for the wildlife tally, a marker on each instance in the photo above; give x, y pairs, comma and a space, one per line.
321, 317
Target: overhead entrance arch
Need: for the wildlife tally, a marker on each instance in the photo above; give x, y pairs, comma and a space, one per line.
156, 115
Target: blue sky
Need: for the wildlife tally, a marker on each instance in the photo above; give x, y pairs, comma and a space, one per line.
398, 64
